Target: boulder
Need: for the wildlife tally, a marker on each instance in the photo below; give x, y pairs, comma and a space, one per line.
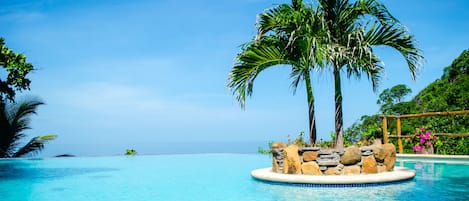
332, 171
278, 145
379, 153
351, 170
381, 168
291, 160
352, 155
310, 156
390, 156
311, 168
369, 165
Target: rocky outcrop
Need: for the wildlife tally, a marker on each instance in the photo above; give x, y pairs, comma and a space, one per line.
369, 165
291, 163
310, 168
352, 155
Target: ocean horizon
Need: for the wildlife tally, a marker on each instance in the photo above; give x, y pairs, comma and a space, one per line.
247, 147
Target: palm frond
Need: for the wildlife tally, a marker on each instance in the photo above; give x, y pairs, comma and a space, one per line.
34, 145
14, 120
397, 37
255, 58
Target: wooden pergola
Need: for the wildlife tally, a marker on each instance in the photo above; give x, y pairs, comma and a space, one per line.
398, 125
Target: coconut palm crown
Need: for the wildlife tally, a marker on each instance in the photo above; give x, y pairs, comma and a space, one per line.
354, 28
287, 37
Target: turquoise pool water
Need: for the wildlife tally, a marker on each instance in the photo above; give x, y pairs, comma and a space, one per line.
204, 177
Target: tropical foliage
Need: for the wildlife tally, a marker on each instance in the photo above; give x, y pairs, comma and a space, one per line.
449, 93
130, 152
340, 34
16, 69
354, 28
287, 35
14, 121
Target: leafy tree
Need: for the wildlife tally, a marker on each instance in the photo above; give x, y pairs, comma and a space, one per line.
354, 28
392, 97
14, 121
16, 69
367, 128
288, 35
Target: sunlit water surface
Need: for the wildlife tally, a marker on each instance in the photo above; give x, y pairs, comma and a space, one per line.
204, 177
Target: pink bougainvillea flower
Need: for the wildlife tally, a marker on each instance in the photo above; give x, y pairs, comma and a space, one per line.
422, 141
429, 143
417, 148
426, 136
421, 128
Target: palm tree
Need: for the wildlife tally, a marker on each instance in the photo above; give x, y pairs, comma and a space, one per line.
354, 29
287, 36
14, 120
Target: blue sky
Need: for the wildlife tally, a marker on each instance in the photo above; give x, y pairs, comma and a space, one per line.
152, 75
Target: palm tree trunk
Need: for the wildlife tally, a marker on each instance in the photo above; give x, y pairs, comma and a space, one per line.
312, 120
339, 122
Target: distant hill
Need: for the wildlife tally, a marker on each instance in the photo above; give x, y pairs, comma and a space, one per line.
449, 93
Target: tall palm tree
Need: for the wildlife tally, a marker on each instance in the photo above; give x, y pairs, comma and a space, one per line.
354, 28
14, 120
287, 36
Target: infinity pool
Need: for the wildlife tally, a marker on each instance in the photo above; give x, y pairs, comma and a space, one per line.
204, 177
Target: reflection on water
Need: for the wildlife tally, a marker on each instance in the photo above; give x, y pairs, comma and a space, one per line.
433, 181
439, 181
23, 171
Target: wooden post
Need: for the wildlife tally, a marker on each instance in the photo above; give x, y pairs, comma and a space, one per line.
385, 130
399, 140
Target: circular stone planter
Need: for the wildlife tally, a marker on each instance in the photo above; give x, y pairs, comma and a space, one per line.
399, 174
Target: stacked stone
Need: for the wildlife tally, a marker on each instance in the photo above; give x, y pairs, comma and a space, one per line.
309, 156
314, 161
278, 156
329, 162
277, 160
369, 164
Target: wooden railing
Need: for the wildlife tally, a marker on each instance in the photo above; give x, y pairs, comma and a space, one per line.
398, 125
